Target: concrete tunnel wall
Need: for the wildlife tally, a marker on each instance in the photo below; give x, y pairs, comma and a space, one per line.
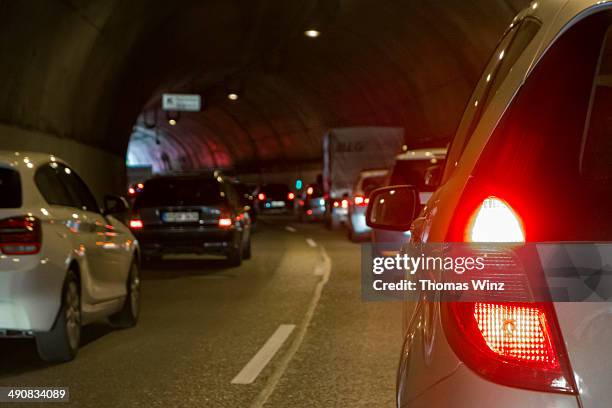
77, 74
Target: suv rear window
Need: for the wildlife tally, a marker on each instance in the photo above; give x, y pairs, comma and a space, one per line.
412, 172
371, 183
275, 190
168, 192
10, 189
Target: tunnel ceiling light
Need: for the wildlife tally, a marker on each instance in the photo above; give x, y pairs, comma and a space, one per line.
232, 96
172, 122
312, 33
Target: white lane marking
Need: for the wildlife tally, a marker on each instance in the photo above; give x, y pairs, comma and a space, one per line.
282, 365
260, 360
311, 242
290, 228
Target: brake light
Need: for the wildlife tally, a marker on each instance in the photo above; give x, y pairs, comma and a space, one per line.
136, 224
290, 196
309, 212
495, 221
20, 235
515, 344
361, 201
345, 203
511, 343
261, 196
336, 204
309, 190
131, 191
518, 333
225, 222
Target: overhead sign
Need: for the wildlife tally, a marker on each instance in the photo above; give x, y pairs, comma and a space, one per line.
181, 102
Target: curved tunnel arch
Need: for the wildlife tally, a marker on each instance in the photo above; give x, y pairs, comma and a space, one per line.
87, 77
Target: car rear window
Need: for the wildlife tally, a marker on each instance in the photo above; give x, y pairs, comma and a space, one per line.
275, 189
180, 192
372, 183
10, 189
412, 172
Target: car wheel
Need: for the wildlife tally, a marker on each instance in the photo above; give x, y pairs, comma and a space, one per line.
61, 344
129, 313
234, 257
246, 253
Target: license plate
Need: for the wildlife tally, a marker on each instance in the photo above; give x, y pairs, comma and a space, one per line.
180, 216
278, 204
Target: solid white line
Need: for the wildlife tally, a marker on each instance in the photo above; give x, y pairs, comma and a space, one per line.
290, 228
311, 242
250, 371
282, 365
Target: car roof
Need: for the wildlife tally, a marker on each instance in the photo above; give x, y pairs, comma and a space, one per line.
372, 173
21, 159
423, 154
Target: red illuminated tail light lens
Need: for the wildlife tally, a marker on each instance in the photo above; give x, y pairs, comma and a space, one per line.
20, 235
344, 204
519, 333
290, 196
495, 221
261, 196
518, 344
136, 224
225, 222
361, 201
515, 344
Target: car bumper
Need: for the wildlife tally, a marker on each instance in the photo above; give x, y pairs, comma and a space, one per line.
203, 241
30, 293
339, 214
358, 221
465, 389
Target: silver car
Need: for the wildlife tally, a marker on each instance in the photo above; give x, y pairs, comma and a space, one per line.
531, 162
63, 261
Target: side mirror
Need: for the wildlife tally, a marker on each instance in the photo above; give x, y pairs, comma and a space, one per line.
114, 204
433, 176
393, 208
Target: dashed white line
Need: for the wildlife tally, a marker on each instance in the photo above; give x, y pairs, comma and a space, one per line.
311, 242
282, 365
290, 228
259, 361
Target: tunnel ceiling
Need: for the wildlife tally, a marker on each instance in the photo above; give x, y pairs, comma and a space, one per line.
86, 70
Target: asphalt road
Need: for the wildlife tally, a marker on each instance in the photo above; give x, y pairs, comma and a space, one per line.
202, 323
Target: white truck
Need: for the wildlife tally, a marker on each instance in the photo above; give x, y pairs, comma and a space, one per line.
347, 151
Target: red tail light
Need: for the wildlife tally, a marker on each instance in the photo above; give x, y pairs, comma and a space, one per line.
515, 344
131, 191
309, 190
361, 201
344, 203
519, 333
261, 196
136, 224
290, 196
225, 222
510, 343
20, 235
309, 212
336, 204
495, 221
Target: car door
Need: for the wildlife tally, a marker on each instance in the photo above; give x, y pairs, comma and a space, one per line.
101, 240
